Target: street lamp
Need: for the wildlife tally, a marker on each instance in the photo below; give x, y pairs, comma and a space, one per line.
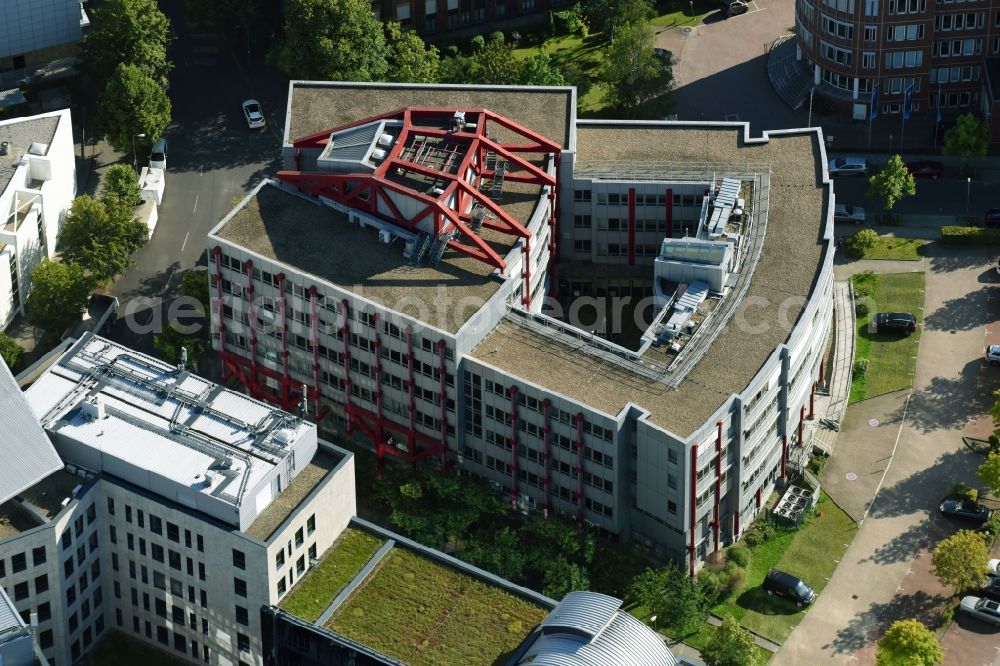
968, 190
135, 158
653, 620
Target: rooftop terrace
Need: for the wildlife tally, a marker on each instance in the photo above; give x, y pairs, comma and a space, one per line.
282, 506
782, 280
44, 500
20, 133
319, 240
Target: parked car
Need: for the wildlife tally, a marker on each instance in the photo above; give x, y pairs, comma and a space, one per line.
986, 610
992, 588
788, 586
926, 169
992, 218
954, 507
993, 568
158, 155
898, 322
734, 7
847, 213
848, 166
253, 114
993, 354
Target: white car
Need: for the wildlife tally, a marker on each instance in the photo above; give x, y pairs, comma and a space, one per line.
986, 610
993, 568
846, 213
253, 114
993, 358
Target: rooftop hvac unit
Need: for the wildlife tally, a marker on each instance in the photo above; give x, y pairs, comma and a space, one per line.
77, 489
283, 437
437, 191
199, 481
378, 154
94, 408
385, 237
385, 139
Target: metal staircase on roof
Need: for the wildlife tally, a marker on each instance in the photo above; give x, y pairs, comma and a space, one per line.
420, 249
479, 214
496, 189
440, 245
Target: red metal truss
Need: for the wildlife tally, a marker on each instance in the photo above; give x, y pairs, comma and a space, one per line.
365, 191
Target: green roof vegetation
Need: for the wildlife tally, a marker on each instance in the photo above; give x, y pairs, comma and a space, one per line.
423, 613
345, 559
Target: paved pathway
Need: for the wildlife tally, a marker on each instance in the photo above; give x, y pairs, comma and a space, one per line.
870, 586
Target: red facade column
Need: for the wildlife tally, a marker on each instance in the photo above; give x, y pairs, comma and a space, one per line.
314, 335
822, 368
694, 504
412, 430
345, 333
251, 317
282, 309
812, 402
546, 454
579, 469
217, 259
379, 431
631, 226
526, 273
553, 246
443, 396
670, 214
802, 420
736, 525
758, 497
784, 455
514, 441
716, 526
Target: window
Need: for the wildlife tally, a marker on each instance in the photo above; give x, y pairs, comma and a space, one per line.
871, 33
41, 583
298, 537
44, 612
155, 524
240, 587
311, 524
162, 635
111, 506
201, 544
18, 563
157, 551
242, 616
67, 539
91, 514
161, 608
38, 556
243, 642
114, 533
239, 559
868, 60
128, 513
21, 591
281, 586
173, 532
279, 559
177, 615
581, 246
174, 559
300, 565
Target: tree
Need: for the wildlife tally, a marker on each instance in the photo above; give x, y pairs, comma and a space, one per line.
120, 184
562, 577
609, 15
194, 285
961, 560
539, 70
861, 241
494, 64
967, 139
631, 73
332, 39
909, 643
59, 295
133, 32
501, 554
989, 472
731, 645
892, 183
672, 595
10, 351
101, 237
132, 103
412, 61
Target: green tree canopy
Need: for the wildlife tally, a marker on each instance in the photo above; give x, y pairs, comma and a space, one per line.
670, 594
194, 285
168, 344
608, 16
59, 295
540, 70
411, 60
10, 351
562, 577
132, 32
120, 185
631, 73
502, 554
909, 643
731, 645
989, 472
101, 237
961, 560
132, 103
968, 138
892, 183
332, 39
494, 64
861, 241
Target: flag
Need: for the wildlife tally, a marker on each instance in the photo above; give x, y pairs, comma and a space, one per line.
873, 114
907, 102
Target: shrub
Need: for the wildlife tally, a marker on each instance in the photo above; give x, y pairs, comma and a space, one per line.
860, 367
953, 235
992, 528
816, 464
478, 43
711, 584
861, 308
10, 351
760, 532
734, 578
947, 614
862, 240
738, 554
496, 36
965, 492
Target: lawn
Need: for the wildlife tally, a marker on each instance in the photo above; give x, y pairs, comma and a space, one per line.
899, 249
891, 358
424, 613
810, 553
117, 649
339, 566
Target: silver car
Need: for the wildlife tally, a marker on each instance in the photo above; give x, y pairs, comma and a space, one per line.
846, 213
993, 358
848, 166
986, 610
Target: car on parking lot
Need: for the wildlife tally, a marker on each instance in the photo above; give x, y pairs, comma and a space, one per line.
992, 588
734, 7
993, 354
925, 169
993, 568
788, 586
986, 610
898, 322
848, 166
253, 114
961, 509
158, 155
848, 213
992, 218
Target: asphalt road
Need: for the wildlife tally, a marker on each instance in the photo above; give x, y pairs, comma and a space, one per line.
944, 196
212, 158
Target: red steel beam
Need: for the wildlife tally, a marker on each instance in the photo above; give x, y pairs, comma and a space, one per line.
694, 505
812, 402
802, 419
784, 455
503, 121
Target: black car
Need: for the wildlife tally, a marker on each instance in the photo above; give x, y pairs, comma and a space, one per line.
992, 588
734, 7
965, 510
899, 322
788, 586
992, 218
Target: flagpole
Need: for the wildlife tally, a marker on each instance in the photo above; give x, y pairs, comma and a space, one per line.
937, 117
873, 111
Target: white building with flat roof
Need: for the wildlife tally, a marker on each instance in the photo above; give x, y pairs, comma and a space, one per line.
37, 186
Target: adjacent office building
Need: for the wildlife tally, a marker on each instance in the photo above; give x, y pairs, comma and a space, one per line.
426, 269
34, 32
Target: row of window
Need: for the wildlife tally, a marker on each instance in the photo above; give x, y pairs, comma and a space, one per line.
964, 21
641, 199
951, 48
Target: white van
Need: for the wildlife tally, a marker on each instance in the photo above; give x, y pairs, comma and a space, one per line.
158, 155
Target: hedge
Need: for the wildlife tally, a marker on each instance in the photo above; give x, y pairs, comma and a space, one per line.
970, 236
